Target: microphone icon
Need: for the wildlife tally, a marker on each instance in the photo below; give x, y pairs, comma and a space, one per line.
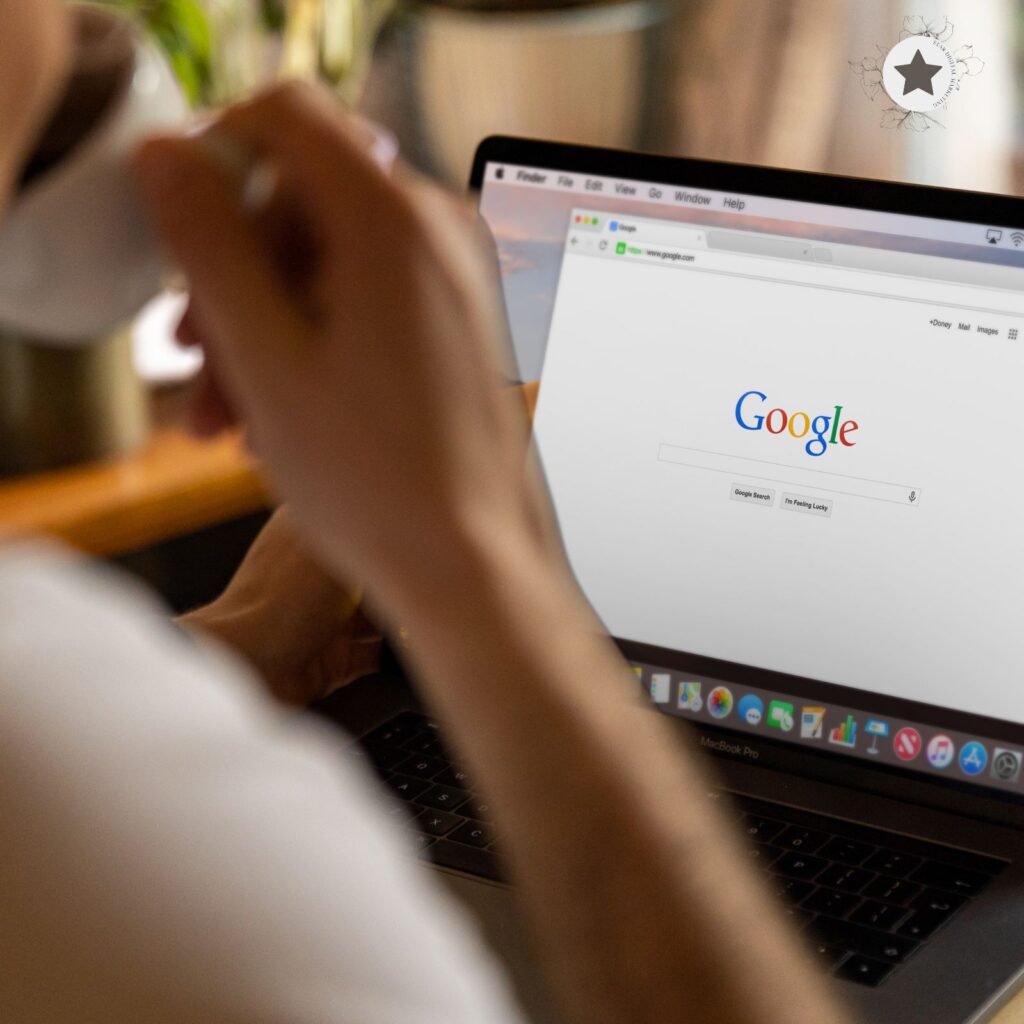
913, 497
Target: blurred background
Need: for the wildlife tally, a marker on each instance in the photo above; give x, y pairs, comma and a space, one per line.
791, 83
756, 80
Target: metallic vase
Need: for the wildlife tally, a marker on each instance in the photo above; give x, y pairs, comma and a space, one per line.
62, 406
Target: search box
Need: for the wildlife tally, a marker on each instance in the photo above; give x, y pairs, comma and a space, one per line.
810, 481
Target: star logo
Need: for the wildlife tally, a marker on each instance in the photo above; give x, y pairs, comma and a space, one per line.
918, 74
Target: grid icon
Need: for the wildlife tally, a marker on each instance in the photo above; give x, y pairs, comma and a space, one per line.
1012, 334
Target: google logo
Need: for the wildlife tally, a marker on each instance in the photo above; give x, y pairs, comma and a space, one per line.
824, 430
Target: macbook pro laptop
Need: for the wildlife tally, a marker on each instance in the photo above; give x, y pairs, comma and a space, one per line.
780, 418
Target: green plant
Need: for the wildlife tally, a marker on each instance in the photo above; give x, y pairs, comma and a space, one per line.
182, 28
221, 49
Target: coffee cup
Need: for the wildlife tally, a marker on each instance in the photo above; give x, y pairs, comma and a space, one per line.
77, 255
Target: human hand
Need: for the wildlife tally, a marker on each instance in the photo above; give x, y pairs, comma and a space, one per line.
354, 326
304, 633
35, 56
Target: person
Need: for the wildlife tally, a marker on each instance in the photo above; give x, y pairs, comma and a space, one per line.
178, 846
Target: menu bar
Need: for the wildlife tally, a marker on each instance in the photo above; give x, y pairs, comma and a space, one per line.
742, 205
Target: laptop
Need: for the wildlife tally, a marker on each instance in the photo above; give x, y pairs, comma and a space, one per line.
780, 421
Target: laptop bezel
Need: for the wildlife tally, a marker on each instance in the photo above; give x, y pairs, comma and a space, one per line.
948, 793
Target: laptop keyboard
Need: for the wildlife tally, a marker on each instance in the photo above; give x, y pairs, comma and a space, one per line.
866, 899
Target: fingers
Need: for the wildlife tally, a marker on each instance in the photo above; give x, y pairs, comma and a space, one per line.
232, 278
338, 160
255, 270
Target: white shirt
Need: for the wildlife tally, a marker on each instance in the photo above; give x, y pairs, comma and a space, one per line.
174, 847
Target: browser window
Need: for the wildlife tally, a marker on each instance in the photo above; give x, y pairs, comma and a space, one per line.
781, 461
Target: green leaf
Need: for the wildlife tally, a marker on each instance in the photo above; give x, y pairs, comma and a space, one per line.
182, 30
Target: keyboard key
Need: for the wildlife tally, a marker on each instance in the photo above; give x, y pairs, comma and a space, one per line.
848, 879
827, 956
889, 862
420, 767
473, 861
425, 743
847, 851
479, 809
805, 840
945, 876
799, 865
423, 841
453, 776
407, 787
798, 915
880, 915
938, 901
760, 830
385, 757
444, 798
831, 902
792, 890
402, 811
408, 720
891, 890
390, 733
475, 833
762, 854
922, 923
875, 944
864, 970
436, 823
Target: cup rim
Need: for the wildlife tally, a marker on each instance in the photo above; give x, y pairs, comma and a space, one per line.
107, 121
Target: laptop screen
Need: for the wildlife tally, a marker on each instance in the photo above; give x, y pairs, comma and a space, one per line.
785, 435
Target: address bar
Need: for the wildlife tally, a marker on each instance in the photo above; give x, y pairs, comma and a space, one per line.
997, 301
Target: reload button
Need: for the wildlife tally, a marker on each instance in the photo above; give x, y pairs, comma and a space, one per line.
805, 503
755, 495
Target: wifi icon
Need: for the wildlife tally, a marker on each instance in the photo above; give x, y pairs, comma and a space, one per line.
1017, 237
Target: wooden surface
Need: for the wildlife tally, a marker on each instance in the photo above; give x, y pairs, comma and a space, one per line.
174, 485
1013, 1014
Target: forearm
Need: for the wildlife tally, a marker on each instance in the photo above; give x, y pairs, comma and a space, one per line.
641, 903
